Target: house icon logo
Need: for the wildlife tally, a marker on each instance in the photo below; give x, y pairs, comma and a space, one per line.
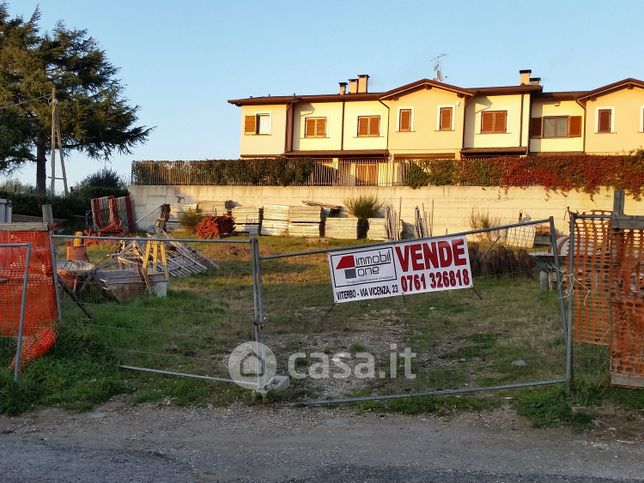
252, 365
348, 263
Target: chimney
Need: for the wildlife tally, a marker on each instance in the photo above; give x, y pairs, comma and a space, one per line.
524, 76
353, 86
363, 83
343, 88
535, 81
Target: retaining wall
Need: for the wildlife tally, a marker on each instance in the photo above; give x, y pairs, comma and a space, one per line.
452, 206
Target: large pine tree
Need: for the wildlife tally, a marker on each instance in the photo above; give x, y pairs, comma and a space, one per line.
95, 118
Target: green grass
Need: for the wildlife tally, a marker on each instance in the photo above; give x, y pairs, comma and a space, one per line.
460, 340
551, 407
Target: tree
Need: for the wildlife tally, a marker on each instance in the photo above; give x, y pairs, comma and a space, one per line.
95, 118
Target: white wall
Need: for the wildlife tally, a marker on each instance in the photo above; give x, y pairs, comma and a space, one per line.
453, 205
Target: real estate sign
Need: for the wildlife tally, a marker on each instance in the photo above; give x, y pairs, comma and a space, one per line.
411, 267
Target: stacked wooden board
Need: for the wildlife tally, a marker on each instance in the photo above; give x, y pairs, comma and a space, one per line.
213, 208
342, 228
304, 221
377, 229
247, 219
275, 220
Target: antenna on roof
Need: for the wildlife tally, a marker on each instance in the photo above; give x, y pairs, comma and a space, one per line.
438, 73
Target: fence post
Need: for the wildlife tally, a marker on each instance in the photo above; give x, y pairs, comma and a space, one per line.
571, 288
23, 304
555, 253
53, 254
258, 309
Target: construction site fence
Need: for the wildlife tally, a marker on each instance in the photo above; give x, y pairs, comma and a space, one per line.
15, 259
605, 284
191, 328
504, 333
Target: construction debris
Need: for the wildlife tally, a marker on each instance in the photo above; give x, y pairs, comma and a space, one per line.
393, 224
113, 216
275, 220
421, 223
305, 221
214, 208
122, 275
377, 229
210, 227
247, 219
341, 228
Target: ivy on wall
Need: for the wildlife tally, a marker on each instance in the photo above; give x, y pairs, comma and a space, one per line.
256, 172
586, 173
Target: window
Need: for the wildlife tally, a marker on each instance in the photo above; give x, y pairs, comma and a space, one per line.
257, 124
366, 174
368, 126
445, 118
404, 119
555, 127
315, 127
605, 120
494, 122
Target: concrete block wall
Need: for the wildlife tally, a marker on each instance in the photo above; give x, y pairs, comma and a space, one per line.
452, 205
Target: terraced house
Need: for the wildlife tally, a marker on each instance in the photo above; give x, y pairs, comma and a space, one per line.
369, 138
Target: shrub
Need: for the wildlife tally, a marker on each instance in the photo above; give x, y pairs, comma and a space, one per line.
363, 208
189, 218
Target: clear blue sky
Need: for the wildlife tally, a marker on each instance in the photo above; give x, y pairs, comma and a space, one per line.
181, 60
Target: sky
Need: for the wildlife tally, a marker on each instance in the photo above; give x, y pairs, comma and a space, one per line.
181, 60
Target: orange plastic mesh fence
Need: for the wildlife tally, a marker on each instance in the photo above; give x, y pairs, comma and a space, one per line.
592, 259
627, 303
41, 309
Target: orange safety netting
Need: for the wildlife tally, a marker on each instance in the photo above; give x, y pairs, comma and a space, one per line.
591, 281
41, 306
627, 303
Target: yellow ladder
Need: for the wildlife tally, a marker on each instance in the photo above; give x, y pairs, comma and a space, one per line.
155, 248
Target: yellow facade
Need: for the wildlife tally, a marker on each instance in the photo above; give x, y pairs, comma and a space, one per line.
355, 109
264, 144
627, 105
425, 136
517, 107
556, 108
332, 140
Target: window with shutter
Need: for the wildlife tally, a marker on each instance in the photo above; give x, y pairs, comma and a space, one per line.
555, 127
535, 127
446, 115
604, 120
249, 125
363, 126
310, 128
320, 127
374, 126
574, 126
494, 122
368, 126
315, 127
404, 120
263, 123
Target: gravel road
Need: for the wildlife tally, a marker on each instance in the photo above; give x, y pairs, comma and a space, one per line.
118, 442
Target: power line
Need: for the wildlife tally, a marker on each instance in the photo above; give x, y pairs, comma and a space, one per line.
25, 101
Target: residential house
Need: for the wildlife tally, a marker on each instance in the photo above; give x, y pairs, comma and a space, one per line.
368, 138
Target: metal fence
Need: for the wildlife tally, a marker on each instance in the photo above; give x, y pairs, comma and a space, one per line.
184, 322
15, 259
503, 333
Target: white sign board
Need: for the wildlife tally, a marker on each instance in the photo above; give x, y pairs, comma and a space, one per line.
416, 266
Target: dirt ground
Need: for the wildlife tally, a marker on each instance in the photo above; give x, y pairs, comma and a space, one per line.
120, 442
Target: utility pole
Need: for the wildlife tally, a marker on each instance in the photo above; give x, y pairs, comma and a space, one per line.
56, 142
